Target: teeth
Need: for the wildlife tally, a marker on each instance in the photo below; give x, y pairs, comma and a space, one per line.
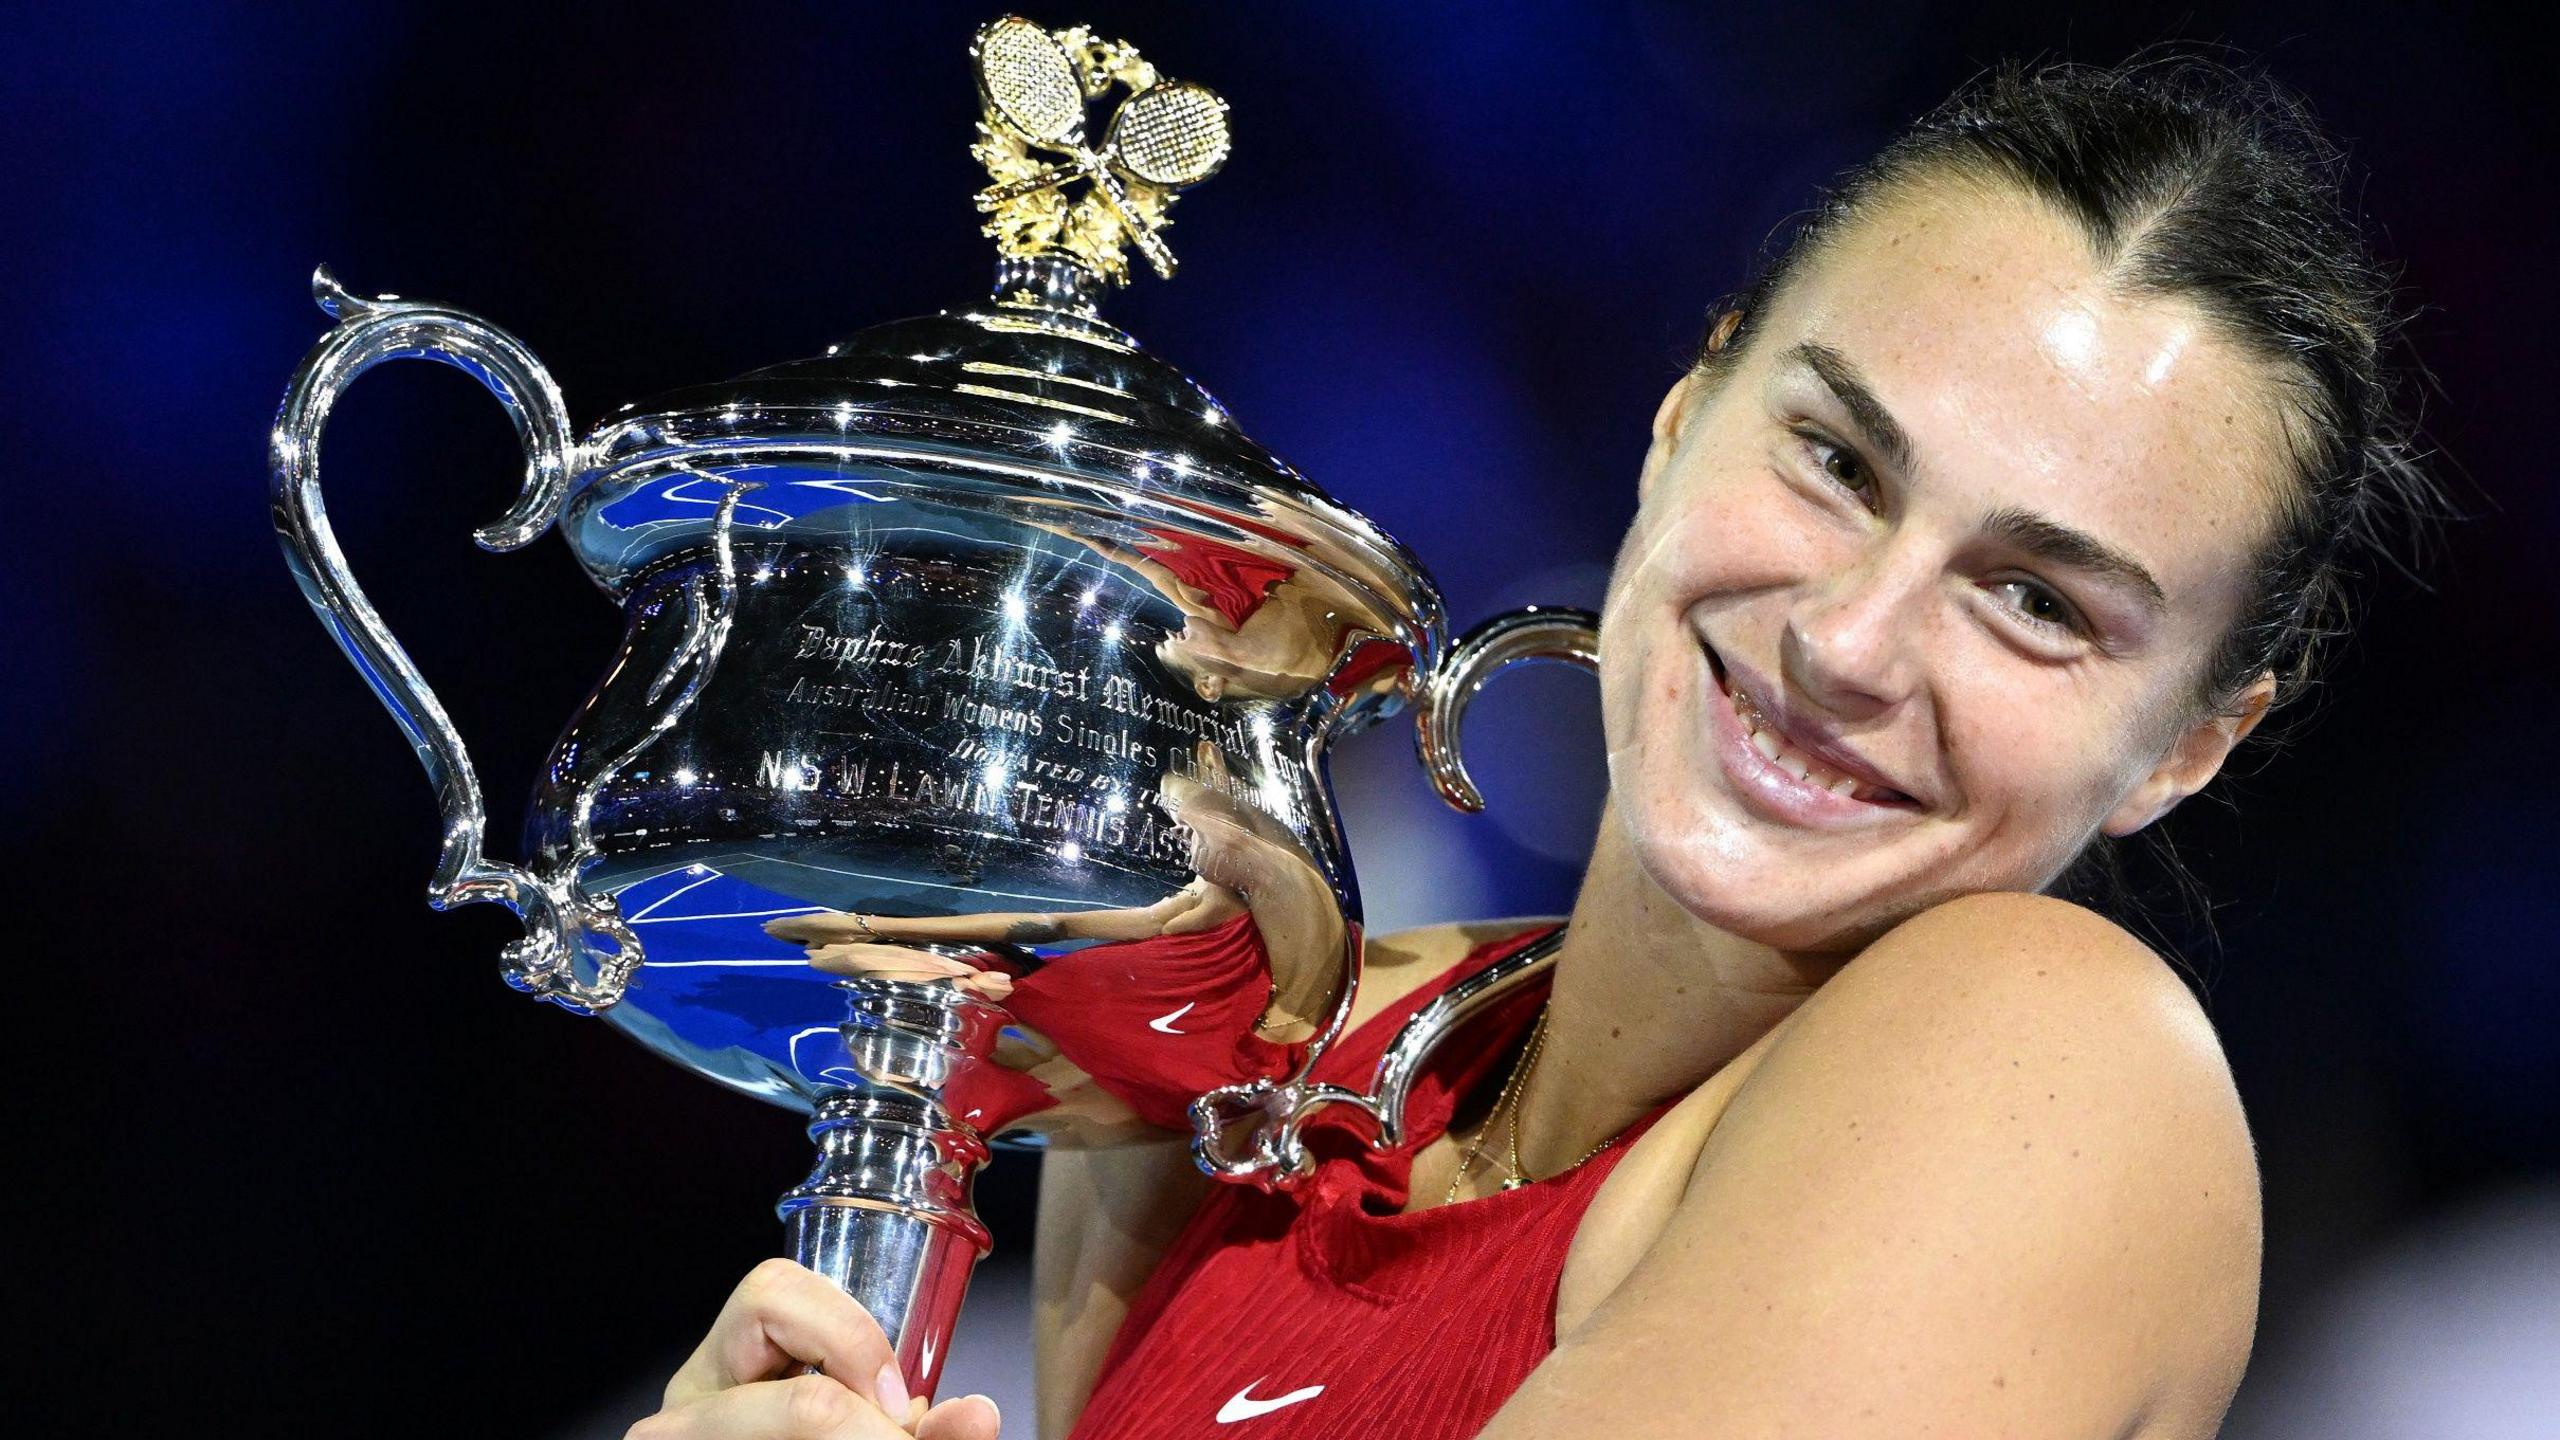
1775, 750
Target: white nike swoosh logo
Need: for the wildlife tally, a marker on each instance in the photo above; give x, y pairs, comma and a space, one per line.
1164, 1025
1242, 1405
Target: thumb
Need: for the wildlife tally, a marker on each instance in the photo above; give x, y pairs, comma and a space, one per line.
971, 1417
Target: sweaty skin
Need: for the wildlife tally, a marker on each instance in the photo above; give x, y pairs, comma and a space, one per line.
1948, 1157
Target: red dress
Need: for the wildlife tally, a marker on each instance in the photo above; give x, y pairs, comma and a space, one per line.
1326, 1311
1159, 1021
1232, 581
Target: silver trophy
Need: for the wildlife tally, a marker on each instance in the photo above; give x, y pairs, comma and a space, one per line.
960, 775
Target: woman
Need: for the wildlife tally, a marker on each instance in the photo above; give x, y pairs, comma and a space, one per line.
1992, 517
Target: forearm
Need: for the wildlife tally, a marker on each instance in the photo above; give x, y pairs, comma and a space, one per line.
1011, 927
1106, 1218
1014, 927
1142, 923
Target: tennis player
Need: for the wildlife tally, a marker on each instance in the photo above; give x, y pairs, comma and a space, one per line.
2019, 490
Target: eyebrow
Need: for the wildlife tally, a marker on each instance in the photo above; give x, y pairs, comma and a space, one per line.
1850, 388
2058, 543
2037, 535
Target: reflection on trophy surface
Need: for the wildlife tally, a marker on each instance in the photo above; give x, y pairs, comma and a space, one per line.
961, 770
1164, 1001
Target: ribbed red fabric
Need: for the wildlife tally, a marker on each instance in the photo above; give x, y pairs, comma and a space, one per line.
1231, 581
1097, 1005
1327, 1311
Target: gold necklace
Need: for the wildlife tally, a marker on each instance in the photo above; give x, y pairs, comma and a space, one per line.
1502, 1102
1504, 1105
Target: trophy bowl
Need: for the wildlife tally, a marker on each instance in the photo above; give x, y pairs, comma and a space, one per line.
961, 771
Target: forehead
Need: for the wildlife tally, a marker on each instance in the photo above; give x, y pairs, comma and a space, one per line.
2025, 377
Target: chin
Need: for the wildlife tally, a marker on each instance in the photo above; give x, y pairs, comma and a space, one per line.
1714, 869
1720, 873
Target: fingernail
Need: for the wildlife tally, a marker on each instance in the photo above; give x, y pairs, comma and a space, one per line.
992, 1408
890, 1389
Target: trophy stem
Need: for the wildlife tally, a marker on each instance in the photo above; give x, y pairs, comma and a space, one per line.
886, 1213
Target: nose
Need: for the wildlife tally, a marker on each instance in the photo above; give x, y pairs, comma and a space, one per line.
1849, 643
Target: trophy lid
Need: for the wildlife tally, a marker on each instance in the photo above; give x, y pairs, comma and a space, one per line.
1032, 390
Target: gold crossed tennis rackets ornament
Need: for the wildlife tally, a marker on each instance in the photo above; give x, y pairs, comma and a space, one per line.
1034, 87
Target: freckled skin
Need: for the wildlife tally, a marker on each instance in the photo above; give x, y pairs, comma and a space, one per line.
1987, 328
1702, 927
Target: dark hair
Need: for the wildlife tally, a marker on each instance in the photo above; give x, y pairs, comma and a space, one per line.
2192, 179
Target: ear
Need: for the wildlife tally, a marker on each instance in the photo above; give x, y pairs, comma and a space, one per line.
1668, 418
2192, 761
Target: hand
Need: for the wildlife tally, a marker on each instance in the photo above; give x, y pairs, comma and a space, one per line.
746, 1381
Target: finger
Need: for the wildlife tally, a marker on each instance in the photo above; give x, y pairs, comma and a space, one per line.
781, 1318
971, 1417
803, 1407
990, 985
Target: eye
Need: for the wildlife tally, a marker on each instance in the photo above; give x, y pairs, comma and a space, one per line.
1840, 464
2041, 607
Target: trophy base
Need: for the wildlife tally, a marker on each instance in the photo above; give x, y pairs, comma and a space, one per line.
910, 1273
887, 1213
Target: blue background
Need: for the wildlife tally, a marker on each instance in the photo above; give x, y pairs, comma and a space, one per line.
323, 1174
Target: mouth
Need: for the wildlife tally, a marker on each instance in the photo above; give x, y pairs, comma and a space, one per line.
1806, 776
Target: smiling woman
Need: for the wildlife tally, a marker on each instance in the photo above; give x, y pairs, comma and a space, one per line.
1967, 521
2011, 497
2205, 207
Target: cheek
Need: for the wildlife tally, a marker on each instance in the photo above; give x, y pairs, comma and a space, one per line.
1631, 620
2040, 759
1738, 529
1632, 689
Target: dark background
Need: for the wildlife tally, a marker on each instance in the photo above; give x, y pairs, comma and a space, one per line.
316, 1171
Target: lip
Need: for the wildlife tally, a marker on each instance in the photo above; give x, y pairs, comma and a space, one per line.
1769, 787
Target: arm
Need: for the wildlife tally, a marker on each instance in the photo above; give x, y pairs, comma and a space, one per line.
1017, 927
1994, 1180
1132, 924
1106, 1218
1154, 572
893, 956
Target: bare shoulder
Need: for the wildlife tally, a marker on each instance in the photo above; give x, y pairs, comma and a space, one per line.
1992, 1178
2024, 1024
2035, 986
2003, 926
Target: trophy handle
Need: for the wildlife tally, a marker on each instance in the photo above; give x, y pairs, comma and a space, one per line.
1536, 632
1249, 1132
1445, 1015
555, 912
1272, 1156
